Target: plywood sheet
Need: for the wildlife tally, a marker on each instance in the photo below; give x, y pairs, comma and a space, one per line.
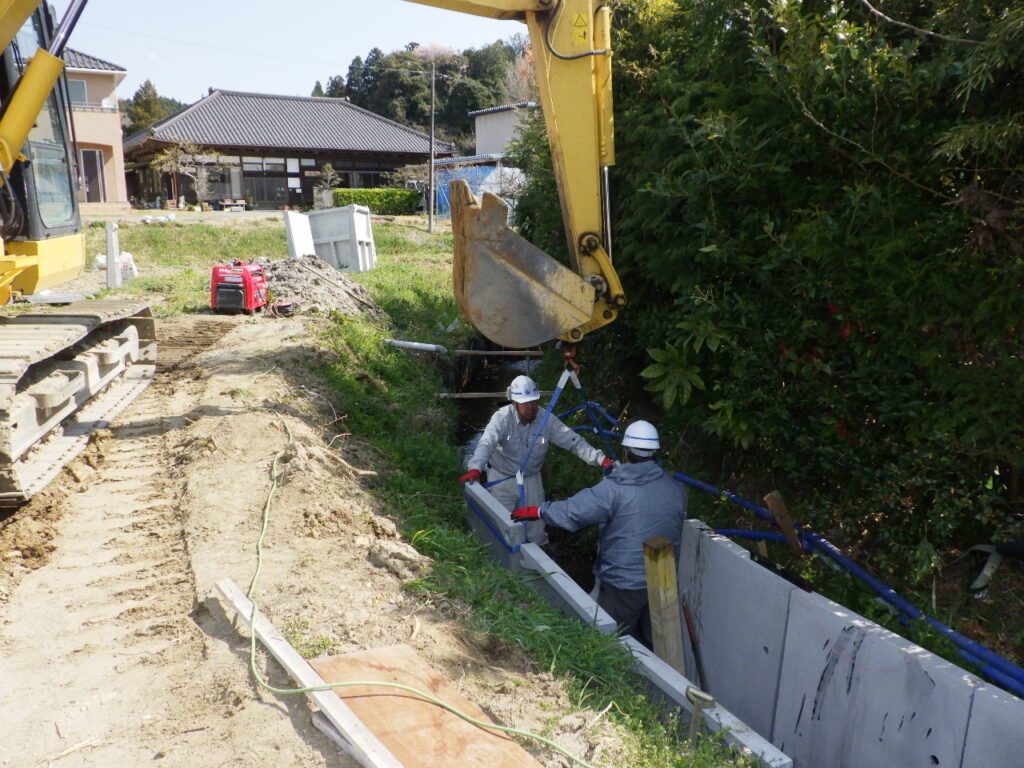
417, 732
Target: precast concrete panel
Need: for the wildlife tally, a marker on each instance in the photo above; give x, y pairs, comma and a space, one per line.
854, 695
740, 610
562, 592
995, 733
491, 523
671, 686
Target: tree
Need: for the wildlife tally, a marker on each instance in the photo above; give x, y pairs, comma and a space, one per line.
818, 219
336, 87
318, 90
147, 107
329, 178
195, 162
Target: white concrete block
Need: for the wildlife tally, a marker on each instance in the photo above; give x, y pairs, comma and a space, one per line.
741, 611
562, 592
854, 695
343, 237
493, 526
300, 236
995, 733
672, 686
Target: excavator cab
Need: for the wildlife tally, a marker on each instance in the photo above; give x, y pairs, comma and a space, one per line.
515, 294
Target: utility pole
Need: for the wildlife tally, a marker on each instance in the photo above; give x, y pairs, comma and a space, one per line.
430, 183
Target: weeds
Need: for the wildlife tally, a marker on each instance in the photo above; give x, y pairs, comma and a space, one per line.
300, 636
386, 391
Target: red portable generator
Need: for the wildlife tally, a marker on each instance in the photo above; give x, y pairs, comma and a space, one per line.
242, 287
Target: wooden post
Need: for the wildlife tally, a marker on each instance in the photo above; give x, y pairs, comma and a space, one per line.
663, 599
782, 518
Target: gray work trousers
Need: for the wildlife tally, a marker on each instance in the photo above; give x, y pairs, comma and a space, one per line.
507, 494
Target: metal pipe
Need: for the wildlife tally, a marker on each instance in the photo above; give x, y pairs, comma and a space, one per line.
67, 25
419, 346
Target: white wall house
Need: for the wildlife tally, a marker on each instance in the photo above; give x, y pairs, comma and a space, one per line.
496, 127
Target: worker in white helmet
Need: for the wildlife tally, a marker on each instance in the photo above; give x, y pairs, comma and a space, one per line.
506, 440
635, 502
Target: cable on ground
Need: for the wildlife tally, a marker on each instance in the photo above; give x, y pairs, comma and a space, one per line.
275, 481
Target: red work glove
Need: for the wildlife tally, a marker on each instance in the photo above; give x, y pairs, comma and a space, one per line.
473, 474
525, 514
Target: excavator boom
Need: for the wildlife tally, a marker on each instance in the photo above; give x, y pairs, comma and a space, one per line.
515, 294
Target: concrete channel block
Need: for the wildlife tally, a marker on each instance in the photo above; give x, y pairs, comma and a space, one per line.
493, 526
562, 592
854, 695
995, 733
741, 612
671, 686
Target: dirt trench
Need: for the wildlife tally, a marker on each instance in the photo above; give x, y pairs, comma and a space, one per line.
114, 650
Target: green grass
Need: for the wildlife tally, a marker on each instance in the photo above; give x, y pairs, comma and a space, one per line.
175, 259
389, 396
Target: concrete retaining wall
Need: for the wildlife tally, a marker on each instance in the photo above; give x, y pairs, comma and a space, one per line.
505, 540
830, 688
798, 680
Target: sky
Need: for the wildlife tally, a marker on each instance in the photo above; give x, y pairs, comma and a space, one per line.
185, 47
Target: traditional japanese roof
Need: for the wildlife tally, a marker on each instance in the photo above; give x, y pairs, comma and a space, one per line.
78, 60
268, 122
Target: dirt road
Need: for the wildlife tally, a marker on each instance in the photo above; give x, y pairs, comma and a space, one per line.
114, 650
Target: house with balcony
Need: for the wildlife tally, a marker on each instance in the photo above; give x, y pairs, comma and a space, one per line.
96, 131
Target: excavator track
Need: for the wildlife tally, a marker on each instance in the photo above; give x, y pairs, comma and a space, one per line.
63, 375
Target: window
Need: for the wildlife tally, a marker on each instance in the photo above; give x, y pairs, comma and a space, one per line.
50, 166
77, 92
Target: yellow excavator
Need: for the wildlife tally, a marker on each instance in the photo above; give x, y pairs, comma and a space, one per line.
515, 294
66, 373
63, 373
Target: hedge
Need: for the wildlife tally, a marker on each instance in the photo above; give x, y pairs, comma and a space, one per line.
397, 202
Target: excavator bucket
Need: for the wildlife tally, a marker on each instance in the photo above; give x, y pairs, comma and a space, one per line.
513, 293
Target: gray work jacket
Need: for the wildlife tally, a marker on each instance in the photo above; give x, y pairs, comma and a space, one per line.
506, 439
634, 503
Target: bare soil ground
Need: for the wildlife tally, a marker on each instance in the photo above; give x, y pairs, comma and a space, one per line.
114, 649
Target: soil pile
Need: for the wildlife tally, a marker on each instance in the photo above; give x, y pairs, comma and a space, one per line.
313, 285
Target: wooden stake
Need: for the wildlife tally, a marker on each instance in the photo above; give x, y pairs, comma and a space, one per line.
782, 518
663, 598
362, 744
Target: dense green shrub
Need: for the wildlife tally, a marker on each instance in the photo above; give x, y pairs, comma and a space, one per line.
392, 202
819, 224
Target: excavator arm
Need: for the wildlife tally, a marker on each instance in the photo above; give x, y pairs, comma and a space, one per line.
515, 294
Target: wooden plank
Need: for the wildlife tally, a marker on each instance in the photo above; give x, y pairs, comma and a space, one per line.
782, 518
419, 733
364, 746
663, 599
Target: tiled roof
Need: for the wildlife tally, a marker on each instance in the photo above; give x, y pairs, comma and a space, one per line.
470, 159
78, 60
504, 108
236, 119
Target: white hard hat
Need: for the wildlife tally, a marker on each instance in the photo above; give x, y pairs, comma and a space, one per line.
523, 390
641, 438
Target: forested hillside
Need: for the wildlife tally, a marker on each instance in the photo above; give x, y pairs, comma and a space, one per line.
819, 221
397, 85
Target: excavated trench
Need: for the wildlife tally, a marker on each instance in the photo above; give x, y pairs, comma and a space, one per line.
574, 552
